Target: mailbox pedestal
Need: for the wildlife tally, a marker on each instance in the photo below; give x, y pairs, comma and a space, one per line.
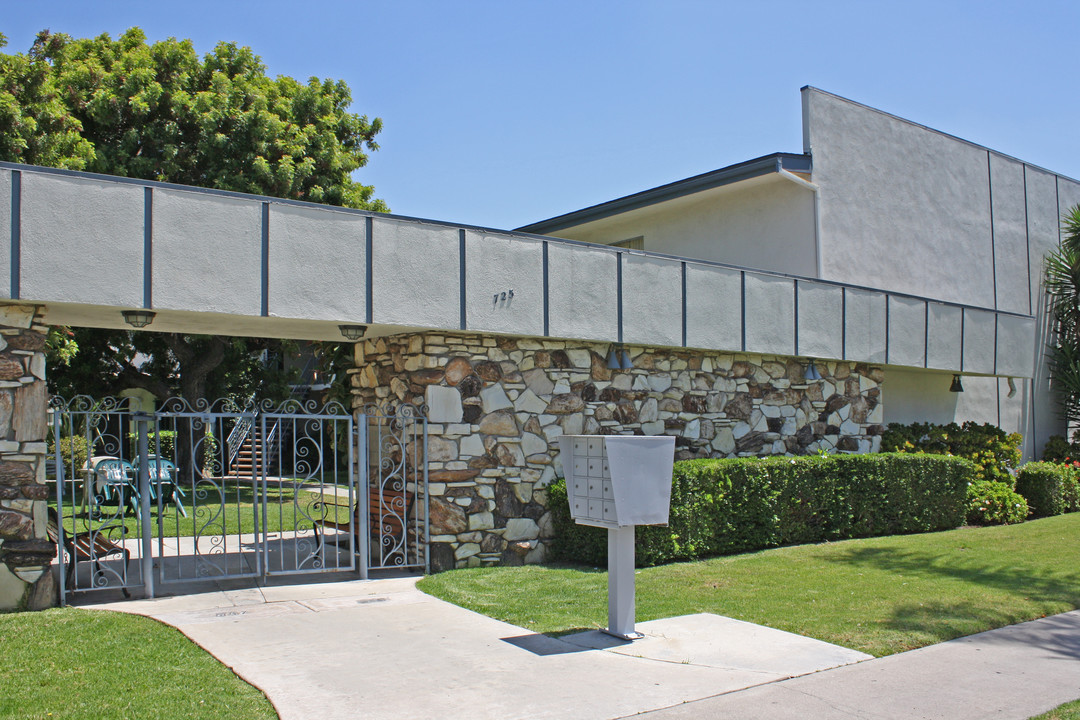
618, 482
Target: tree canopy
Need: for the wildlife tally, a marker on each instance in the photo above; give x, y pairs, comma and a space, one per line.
160, 112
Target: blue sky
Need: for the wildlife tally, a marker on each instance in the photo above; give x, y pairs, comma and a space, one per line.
501, 113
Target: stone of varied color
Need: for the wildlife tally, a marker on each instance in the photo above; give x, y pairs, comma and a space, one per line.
501, 423
457, 369
565, 404
494, 398
521, 529
444, 404
441, 449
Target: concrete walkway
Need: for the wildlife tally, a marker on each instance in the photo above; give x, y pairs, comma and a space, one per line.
383, 649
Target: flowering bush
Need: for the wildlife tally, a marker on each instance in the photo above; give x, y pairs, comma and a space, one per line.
995, 503
996, 454
1050, 488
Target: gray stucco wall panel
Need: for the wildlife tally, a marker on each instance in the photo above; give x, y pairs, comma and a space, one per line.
495, 264
890, 191
1010, 234
82, 241
318, 265
652, 301
770, 314
5, 233
944, 336
713, 308
821, 320
979, 341
583, 292
207, 253
1015, 346
1068, 195
416, 274
1043, 220
907, 332
864, 330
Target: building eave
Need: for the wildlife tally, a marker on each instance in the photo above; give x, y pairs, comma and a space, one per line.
758, 167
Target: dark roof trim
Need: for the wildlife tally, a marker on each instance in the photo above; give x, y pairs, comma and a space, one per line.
680, 188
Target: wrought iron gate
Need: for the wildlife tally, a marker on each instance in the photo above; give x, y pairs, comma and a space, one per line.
216, 491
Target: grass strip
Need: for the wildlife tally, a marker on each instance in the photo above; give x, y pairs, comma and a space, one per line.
877, 595
1068, 711
79, 664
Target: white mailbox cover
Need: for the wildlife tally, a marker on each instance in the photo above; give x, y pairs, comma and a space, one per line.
618, 480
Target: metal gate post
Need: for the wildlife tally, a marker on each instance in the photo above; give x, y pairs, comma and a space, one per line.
59, 461
363, 496
147, 566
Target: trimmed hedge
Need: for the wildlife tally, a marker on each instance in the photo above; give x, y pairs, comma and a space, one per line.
720, 507
1049, 488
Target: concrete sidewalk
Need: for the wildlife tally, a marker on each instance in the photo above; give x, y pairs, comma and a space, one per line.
382, 649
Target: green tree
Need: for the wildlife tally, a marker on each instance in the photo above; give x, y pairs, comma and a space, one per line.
1063, 302
160, 112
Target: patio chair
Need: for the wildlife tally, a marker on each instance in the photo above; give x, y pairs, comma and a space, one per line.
79, 546
115, 480
163, 482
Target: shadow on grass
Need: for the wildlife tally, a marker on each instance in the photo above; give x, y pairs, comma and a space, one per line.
954, 618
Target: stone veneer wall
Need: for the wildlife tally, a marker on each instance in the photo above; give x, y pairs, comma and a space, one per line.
25, 549
496, 406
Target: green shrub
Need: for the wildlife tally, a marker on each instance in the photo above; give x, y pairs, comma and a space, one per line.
995, 503
995, 453
73, 451
728, 506
1049, 488
1058, 449
163, 443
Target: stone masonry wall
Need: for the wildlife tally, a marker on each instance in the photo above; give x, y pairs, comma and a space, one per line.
25, 549
496, 406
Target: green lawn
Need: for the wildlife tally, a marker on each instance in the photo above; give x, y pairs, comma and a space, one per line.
210, 511
878, 595
79, 664
1068, 711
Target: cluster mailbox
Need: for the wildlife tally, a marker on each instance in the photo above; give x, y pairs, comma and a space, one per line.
618, 482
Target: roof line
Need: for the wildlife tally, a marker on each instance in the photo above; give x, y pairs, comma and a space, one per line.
939, 132
756, 167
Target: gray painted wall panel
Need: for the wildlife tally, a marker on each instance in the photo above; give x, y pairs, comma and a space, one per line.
1015, 345
1068, 195
207, 253
713, 308
907, 332
82, 241
5, 233
1010, 234
652, 301
979, 341
416, 274
864, 330
318, 265
1043, 231
770, 314
495, 264
821, 320
944, 335
583, 292
874, 171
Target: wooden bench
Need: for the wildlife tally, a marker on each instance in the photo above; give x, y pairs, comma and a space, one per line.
81, 546
387, 512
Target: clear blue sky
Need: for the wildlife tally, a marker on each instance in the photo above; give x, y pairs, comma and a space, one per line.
504, 112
